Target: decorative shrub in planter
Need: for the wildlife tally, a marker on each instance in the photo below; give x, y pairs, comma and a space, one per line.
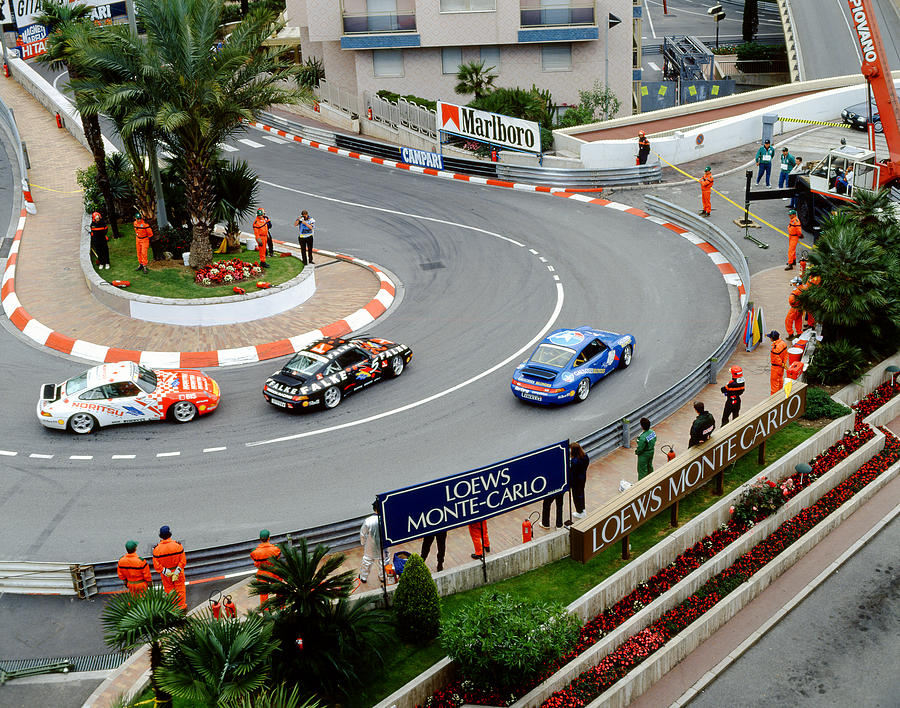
226, 272
417, 605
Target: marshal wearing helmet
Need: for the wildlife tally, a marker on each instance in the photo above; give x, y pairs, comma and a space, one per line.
733, 391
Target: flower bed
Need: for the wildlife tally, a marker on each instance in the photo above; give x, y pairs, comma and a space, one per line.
744, 517
641, 645
226, 272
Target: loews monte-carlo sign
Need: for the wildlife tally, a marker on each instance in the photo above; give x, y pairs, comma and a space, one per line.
487, 127
685, 474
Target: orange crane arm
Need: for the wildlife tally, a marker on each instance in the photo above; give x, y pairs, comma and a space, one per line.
875, 69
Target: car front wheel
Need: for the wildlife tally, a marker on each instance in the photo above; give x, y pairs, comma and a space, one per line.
584, 388
184, 411
82, 423
395, 367
625, 359
332, 397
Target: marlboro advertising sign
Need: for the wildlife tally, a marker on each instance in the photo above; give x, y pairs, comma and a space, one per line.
491, 128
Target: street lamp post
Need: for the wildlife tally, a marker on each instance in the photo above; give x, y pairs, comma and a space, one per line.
718, 14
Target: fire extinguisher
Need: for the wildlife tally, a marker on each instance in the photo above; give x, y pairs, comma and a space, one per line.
804, 261
58, 120
316, 106
6, 70
238, 290
369, 112
262, 284
228, 607
528, 525
669, 453
215, 606
299, 642
493, 154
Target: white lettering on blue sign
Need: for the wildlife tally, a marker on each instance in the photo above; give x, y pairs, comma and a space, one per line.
422, 158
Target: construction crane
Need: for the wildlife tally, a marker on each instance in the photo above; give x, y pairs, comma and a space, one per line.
821, 191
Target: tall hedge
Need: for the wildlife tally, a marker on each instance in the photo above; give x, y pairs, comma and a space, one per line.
417, 606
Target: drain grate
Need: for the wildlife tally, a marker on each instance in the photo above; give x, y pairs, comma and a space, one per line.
100, 662
432, 265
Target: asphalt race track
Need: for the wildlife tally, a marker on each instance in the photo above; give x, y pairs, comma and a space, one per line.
477, 267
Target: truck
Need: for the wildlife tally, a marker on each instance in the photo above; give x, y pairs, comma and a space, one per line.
820, 192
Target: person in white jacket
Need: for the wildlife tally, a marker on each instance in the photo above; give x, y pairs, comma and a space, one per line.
370, 540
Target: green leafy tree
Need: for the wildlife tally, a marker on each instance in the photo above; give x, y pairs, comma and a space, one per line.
417, 605
212, 661
69, 28
856, 300
503, 642
591, 101
474, 78
750, 25
132, 620
237, 194
201, 92
327, 644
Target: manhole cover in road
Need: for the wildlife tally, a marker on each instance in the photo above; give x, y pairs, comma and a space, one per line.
431, 265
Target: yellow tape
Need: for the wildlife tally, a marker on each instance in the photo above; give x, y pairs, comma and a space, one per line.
813, 122
730, 201
58, 191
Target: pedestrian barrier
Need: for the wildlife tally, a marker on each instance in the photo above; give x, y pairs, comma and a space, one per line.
620, 433
784, 119
34, 578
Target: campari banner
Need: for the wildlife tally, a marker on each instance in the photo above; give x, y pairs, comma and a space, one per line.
31, 37
491, 128
475, 495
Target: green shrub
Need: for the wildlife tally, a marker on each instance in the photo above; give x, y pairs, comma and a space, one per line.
417, 606
118, 170
502, 642
820, 405
836, 362
311, 73
418, 100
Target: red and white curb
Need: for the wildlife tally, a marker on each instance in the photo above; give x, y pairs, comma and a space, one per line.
46, 337
729, 273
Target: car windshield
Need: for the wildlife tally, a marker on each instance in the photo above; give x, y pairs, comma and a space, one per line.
552, 355
76, 384
146, 379
305, 364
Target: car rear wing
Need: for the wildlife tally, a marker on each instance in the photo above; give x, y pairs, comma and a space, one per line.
49, 392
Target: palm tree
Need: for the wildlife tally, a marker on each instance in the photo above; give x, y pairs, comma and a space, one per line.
132, 620
199, 96
474, 78
856, 299
68, 27
211, 661
279, 697
308, 601
237, 190
874, 213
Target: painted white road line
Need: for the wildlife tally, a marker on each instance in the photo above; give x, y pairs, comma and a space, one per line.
250, 143
81, 457
273, 139
214, 449
531, 250
168, 454
542, 259
649, 18
560, 297
40, 456
227, 148
65, 73
124, 457
653, 65
8, 453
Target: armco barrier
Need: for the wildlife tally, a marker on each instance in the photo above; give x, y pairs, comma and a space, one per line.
8, 121
218, 561
17, 577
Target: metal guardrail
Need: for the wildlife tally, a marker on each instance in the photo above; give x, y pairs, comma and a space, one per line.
620, 433
790, 40
217, 561
9, 125
33, 578
325, 137
604, 177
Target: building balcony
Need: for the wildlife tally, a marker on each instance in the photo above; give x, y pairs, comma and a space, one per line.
556, 13
378, 16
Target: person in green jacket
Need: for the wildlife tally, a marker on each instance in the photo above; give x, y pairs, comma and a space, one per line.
787, 164
646, 444
764, 157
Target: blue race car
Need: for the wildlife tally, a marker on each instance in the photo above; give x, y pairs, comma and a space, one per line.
568, 362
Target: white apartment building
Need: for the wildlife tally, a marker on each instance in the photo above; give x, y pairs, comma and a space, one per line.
415, 46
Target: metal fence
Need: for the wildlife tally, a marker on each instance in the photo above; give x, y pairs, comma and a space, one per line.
620, 433
338, 98
402, 114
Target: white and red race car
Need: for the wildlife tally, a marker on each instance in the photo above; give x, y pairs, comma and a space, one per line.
125, 392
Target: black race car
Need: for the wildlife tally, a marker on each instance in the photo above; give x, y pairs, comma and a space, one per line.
331, 368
